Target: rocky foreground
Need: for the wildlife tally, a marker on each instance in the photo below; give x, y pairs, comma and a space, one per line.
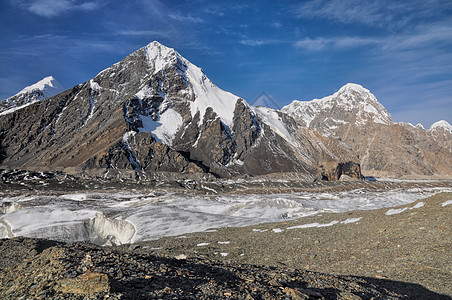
399, 253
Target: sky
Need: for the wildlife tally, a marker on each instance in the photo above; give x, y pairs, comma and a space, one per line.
400, 50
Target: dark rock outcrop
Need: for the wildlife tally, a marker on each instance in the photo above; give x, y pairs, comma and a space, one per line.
333, 171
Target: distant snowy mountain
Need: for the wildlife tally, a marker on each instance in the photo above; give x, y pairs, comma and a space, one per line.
154, 112
442, 124
352, 104
41, 90
355, 116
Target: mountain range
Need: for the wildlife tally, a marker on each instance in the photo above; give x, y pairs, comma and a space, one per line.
384, 147
156, 114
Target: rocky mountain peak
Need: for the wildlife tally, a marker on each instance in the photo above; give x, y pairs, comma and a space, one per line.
351, 104
159, 56
45, 88
441, 124
354, 96
48, 85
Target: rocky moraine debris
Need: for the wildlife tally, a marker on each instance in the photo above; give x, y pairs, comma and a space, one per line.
42, 269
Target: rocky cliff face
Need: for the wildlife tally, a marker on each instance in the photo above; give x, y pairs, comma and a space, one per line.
385, 148
155, 112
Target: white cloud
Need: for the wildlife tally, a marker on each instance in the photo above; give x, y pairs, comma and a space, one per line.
344, 11
144, 33
383, 13
336, 43
253, 42
316, 44
276, 25
215, 10
52, 8
422, 38
189, 19
260, 42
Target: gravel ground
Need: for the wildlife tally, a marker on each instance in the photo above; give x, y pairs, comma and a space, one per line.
373, 255
40, 269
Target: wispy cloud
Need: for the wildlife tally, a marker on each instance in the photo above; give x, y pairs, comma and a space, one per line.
276, 25
344, 11
52, 8
336, 43
384, 13
261, 42
40, 45
181, 18
437, 35
215, 10
144, 33
422, 38
316, 44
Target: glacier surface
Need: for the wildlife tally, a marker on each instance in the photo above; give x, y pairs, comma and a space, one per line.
124, 217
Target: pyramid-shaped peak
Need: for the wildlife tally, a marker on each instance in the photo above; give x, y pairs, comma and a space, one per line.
155, 50
48, 85
158, 46
159, 56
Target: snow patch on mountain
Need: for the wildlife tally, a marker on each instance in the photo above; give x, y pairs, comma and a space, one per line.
442, 124
207, 94
417, 126
13, 109
165, 127
271, 117
94, 85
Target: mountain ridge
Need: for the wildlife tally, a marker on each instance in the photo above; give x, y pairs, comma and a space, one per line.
155, 112
384, 147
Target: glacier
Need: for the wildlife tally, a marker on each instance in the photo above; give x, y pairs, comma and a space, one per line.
130, 216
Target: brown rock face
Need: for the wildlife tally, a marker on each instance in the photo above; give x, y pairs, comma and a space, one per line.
87, 283
397, 150
333, 171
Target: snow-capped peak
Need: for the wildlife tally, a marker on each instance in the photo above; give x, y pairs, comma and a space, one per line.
49, 86
351, 103
207, 94
353, 87
442, 124
41, 90
420, 126
160, 55
354, 93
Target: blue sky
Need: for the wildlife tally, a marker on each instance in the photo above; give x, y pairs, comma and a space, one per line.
400, 50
